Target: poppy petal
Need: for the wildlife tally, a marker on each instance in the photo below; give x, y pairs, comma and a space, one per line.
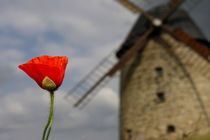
46, 66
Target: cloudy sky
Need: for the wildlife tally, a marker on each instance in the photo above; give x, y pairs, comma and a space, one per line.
85, 33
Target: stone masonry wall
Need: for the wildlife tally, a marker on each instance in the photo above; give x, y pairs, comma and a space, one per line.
163, 98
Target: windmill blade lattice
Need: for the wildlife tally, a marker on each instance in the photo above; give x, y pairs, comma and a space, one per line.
83, 92
95, 80
92, 82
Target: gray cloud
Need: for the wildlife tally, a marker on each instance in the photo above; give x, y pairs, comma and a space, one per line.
23, 115
6, 75
9, 60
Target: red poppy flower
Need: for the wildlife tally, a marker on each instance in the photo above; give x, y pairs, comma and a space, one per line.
47, 71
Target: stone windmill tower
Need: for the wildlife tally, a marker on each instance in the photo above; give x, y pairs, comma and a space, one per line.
164, 84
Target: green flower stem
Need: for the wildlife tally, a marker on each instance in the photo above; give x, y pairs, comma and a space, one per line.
50, 118
48, 133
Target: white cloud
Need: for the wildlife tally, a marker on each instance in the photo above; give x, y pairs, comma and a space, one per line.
14, 107
22, 21
106, 97
11, 57
100, 114
88, 32
29, 108
29, 17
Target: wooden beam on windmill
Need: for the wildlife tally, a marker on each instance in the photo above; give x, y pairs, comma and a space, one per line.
202, 50
138, 46
125, 58
129, 5
173, 5
191, 46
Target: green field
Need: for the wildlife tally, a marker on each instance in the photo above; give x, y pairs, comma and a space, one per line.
204, 137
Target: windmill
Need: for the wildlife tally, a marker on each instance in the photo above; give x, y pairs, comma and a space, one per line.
164, 75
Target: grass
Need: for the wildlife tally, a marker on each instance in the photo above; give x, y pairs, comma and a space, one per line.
204, 137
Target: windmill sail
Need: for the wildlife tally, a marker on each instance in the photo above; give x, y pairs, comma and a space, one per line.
95, 80
193, 44
133, 5
83, 92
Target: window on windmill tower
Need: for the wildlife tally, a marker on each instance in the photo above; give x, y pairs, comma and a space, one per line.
171, 128
159, 71
129, 133
161, 96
